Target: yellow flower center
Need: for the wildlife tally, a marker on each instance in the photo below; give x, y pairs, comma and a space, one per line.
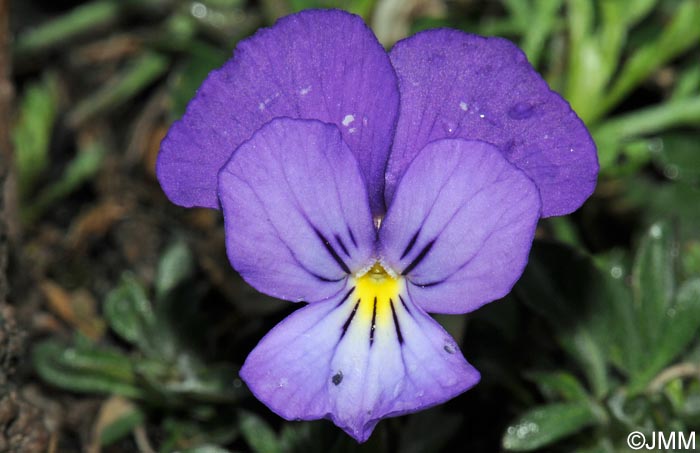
379, 293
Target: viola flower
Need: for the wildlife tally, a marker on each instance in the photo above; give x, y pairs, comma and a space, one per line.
377, 188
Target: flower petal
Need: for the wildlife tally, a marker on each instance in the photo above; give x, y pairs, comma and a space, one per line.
324, 65
460, 226
296, 211
356, 361
456, 85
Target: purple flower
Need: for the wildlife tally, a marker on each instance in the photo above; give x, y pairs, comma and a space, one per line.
376, 187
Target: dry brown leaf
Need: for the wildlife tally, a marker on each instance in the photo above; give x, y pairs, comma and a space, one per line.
96, 222
77, 309
111, 410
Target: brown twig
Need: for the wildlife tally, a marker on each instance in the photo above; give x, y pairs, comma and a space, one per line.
681, 370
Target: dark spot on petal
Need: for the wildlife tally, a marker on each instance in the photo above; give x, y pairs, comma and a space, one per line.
520, 111
450, 349
337, 378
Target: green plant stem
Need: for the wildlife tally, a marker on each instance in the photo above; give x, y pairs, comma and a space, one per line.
650, 120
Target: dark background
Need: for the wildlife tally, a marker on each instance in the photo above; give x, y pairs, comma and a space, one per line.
122, 323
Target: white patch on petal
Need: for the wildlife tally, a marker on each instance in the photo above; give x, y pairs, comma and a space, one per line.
305, 91
463, 105
263, 105
348, 119
481, 115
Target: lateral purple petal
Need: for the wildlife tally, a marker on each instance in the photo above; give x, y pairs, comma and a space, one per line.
457, 85
335, 360
461, 226
323, 64
296, 210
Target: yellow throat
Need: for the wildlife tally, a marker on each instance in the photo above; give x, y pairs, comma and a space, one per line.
379, 295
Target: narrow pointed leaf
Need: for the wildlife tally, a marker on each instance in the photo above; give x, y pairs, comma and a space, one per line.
547, 424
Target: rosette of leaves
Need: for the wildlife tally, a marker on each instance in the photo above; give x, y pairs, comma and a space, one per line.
630, 339
163, 371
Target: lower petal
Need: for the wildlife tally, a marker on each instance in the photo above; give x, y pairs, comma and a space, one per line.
356, 360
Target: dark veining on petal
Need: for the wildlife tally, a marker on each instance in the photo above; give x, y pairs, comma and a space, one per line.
337, 378
410, 245
332, 251
374, 322
325, 279
352, 237
352, 315
345, 297
419, 258
403, 302
427, 285
342, 245
396, 321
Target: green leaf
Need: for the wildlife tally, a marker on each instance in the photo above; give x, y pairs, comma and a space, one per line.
360, 7
129, 313
677, 155
681, 324
175, 266
537, 26
653, 281
79, 170
121, 427
679, 35
89, 16
626, 348
258, 434
86, 370
31, 135
615, 132
687, 84
567, 290
545, 425
559, 385
582, 344
202, 383
201, 429
139, 74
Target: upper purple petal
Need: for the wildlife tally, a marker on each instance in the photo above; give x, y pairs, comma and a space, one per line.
296, 211
323, 64
461, 226
455, 84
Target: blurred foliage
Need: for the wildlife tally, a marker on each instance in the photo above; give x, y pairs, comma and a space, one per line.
599, 337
